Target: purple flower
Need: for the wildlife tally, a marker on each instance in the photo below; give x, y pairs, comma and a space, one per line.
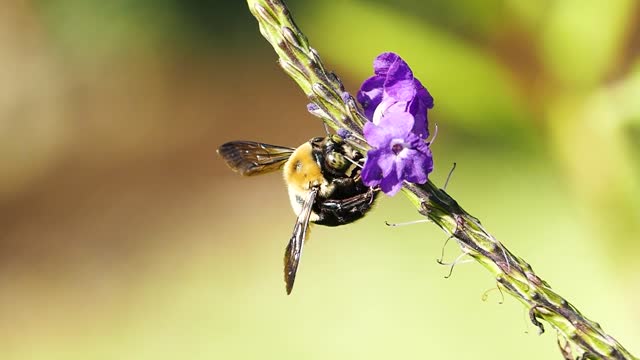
399, 154
393, 88
396, 104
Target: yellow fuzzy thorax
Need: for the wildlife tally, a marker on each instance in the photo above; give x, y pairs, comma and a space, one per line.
301, 172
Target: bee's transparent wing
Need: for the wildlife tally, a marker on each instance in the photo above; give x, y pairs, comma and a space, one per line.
294, 249
253, 158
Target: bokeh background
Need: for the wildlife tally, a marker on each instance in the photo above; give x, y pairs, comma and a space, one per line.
124, 236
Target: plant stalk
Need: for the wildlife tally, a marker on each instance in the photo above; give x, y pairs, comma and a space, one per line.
578, 337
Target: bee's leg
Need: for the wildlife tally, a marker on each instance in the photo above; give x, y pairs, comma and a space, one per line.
344, 187
339, 212
343, 184
351, 203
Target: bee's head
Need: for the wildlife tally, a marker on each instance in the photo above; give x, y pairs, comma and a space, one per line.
334, 152
331, 154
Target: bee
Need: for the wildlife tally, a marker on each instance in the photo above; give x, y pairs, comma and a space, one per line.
323, 180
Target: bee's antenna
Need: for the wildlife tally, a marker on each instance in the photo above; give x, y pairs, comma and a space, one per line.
449, 176
353, 162
406, 223
435, 134
454, 263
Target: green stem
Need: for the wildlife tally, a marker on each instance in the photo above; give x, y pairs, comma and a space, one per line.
577, 335
515, 275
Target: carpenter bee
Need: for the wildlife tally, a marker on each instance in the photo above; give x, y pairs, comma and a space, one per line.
323, 180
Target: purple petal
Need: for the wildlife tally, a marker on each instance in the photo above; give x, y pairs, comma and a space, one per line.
381, 110
401, 90
403, 160
423, 94
420, 164
370, 95
416, 169
386, 162
399, 69
396, 124
395, 106
418, 107
417, 143
371, 172
388, 106
390, 184
376, 136
420, 127
383, 62
399, 82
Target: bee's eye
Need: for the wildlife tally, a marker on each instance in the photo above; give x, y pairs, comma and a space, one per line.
317, 141
336, 161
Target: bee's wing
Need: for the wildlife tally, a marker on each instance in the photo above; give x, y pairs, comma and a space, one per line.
253, 158
294, 249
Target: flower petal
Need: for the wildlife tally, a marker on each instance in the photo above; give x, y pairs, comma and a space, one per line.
377, 136
390, 184
401, 90
416, 169
396, 124
388, 106
418, 108
398, 69
403, 160
371, 172
423, 94
370, 95
420, 165
399, 82
386, 162
383, 62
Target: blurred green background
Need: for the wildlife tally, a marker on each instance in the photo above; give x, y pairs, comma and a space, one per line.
124, 236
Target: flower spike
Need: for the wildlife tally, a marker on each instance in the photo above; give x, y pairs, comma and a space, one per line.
387, 96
